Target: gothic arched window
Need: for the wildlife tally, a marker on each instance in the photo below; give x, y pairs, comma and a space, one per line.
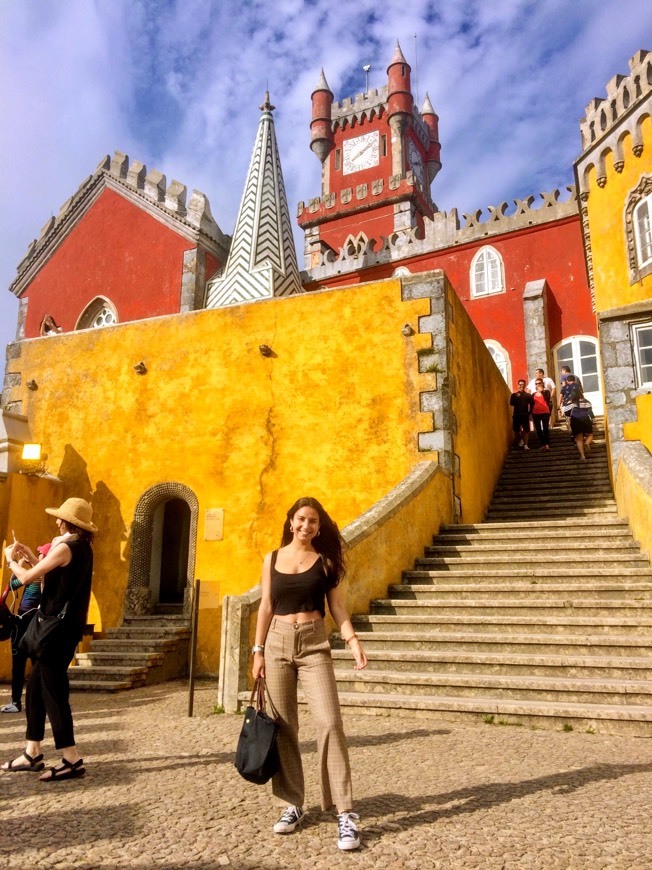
501, 358
99, 313
643, 231
487, 273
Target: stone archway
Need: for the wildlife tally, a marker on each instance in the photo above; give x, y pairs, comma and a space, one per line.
138, 599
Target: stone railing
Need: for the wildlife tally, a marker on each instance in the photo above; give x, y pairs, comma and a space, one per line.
379, 544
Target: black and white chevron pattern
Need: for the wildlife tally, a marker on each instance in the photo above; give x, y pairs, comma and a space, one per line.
262, 262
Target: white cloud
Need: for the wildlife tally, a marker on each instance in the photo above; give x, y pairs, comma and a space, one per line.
177, 84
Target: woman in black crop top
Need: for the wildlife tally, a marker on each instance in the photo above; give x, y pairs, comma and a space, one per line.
292, 645
66, 571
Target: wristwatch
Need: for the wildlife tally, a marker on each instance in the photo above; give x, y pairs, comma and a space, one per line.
257, 647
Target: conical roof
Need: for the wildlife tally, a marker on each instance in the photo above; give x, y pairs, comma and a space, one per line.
262, 261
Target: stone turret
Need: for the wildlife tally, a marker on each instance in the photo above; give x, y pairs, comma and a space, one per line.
321, 131
431, 119
400, 105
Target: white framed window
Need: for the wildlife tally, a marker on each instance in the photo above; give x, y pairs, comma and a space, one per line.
501, 358
99, 313
642, 341
487, 273
643, 231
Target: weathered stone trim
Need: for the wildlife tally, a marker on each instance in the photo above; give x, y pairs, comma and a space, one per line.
639, 193
138, 599
535, 316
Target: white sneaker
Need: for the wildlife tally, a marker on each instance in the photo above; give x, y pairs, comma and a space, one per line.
347, 832
11, 708
292, 817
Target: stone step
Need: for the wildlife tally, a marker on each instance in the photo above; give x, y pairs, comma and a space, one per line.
522, 590
507, 625
503, 663
126, 644
562, 512
172, 620
541, 572
153, 632
592, 548
102, 685
148, 659
555, 608
609, 524
600, 718
619, 561
111, 673
580, 644
557, 689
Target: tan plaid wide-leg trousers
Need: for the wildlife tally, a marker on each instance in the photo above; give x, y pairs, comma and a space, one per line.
301, 652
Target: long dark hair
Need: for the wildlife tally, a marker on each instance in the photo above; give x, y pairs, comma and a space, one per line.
328, 543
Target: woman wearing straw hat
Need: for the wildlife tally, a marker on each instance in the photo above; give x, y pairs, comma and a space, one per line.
66, 571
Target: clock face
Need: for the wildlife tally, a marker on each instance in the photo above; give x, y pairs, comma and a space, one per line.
361, 152
416, 161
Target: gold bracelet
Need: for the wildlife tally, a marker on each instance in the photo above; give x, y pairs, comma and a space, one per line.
349, 639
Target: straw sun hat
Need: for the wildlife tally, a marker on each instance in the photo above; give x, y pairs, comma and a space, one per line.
75, 511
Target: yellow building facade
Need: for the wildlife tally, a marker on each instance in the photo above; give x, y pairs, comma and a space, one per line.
614, 177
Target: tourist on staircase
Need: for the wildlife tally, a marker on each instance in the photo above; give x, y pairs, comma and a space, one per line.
542, 399
522, 404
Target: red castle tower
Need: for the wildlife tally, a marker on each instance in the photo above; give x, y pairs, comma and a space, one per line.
379, 156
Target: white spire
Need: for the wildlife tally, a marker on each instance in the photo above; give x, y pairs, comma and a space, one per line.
262, 261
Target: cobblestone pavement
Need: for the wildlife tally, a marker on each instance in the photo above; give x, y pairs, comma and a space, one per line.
162, 792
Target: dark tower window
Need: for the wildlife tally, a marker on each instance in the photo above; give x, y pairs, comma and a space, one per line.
383, 146
338, 159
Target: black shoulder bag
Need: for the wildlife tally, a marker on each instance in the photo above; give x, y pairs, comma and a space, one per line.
43, 633
256, 757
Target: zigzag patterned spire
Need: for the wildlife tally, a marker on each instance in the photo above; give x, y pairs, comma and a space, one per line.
263, 261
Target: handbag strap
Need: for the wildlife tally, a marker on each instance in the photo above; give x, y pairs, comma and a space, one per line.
257, 699
5, 592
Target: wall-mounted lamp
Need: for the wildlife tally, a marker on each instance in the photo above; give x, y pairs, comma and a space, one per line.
140, 368
32, 460
32, 385
407, 330
265, 350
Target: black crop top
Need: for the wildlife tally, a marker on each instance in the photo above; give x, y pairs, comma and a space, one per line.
299, 593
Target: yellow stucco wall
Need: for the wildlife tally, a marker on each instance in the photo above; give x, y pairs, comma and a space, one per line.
607, 227
483, 430
641, 428
334, 414
633, 490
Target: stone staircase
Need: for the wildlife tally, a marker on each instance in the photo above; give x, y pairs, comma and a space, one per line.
541, 615
142, 651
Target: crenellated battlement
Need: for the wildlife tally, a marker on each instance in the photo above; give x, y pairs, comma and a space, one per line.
351, 109
622, 93
443, 231
149, 189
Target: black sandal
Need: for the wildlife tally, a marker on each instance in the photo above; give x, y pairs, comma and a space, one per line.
65, 770
35, 764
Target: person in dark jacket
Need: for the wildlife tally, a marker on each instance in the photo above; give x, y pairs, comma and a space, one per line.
67, 572
522, 404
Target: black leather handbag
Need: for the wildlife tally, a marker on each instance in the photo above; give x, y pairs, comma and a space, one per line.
256, 757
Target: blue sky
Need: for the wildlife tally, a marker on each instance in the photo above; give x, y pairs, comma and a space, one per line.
176, 84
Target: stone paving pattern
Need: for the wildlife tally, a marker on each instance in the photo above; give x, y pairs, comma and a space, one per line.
161, 791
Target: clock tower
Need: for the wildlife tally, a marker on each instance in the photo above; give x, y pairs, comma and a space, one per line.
379, 156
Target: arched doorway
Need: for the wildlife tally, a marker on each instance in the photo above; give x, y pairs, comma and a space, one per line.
164, 535
170, 540
580, 354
